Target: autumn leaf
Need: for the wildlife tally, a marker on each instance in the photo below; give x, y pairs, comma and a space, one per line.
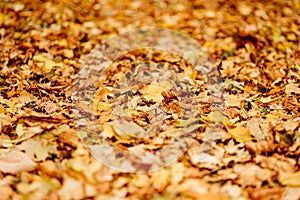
154, 90
254, 44
1, 18
289, 179
37, 148
240, 134
15, 162
292, 88
19, 130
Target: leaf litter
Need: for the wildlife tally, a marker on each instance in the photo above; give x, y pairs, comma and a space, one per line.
255, 44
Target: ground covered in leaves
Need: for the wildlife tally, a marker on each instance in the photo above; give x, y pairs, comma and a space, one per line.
255, 45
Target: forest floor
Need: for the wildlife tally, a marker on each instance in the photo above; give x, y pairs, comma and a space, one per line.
254, 44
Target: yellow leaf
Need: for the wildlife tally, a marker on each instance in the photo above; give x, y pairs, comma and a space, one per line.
2, 110
103, 107
160, 179
40, 151
108, 131
68, 53
154, 90
289, 179
62, 43
19, 130
46, 62
216, 116
1, 18
292, 88
6, 143
185, 123
271, 116
241, 134
72, 188
11, 93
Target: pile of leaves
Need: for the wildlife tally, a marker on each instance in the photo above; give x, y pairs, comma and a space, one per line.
255, 45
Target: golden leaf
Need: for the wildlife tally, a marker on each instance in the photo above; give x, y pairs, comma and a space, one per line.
154, 90
241, 134
289, 179
1, 18
103, 107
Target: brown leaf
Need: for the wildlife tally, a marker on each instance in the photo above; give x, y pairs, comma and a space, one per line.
277, 163
259, 147
69, 137
266, 193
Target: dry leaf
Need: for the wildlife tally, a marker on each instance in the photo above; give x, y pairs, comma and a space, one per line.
19, 130
4, 121
16, 161
1, 18
160, 179
240, 134
289, 179
37, 148
217, 116
273, 193
291, 193
253, 126
72, 188
292, 88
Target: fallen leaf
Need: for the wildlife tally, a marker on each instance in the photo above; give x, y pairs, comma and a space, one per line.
291, 193
216, 116
289, 179
160, 179
19, 130
68, 53
142, 181
37, 148
253, 126
15, 162
240, 134
46, 62
1, 18
154, 90
72, 188
266, 193
292, 88
4, 121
